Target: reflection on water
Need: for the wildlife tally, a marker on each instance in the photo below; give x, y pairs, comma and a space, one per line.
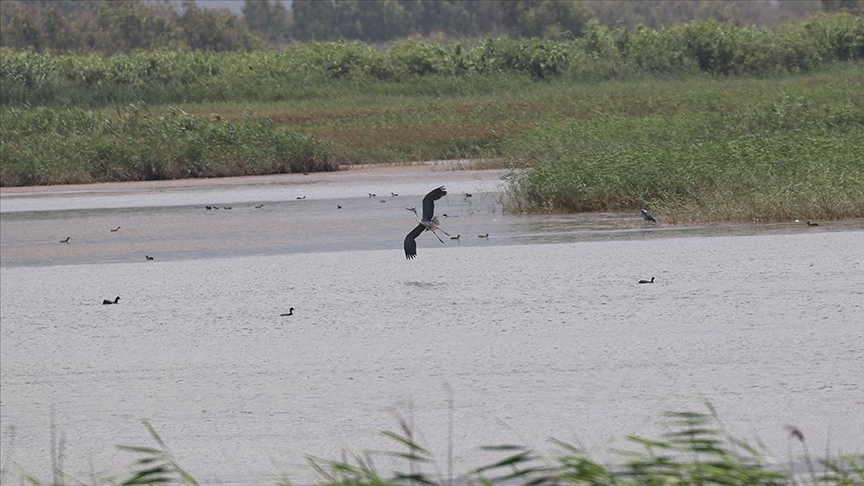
540, 331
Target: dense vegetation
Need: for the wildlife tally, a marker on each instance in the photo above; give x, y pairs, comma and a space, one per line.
161, 77
44, 146
704, 151
115, 26
705, 121
695, 450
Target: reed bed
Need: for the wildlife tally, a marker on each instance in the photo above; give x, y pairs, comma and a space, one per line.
69, 145
712, 152
695, 449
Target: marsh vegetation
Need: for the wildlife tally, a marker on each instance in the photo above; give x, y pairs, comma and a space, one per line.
695, 449
706, 121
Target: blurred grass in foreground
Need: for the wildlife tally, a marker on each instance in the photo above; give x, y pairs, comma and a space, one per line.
695, 450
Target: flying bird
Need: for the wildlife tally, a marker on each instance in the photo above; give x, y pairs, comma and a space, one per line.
109, 302
647, 281
427, 223
645, 214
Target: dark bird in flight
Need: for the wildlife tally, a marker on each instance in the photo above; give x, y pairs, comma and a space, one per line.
109, 302
427, 223
647, 281
645, 214
289, 313
116, 229
66, 240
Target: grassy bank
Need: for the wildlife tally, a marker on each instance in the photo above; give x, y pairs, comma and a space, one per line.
694, 450
706, 150
696, 148
70, 145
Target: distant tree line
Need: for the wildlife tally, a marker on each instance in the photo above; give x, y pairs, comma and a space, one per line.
122, 26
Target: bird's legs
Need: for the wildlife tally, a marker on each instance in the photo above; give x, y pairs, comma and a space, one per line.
441, 230
430, 225
436, 235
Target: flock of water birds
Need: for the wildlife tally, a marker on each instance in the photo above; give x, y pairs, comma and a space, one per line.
426, 221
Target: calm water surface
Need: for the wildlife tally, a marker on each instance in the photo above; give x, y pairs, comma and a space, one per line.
540, 331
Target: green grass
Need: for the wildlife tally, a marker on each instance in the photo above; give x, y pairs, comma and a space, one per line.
707, 150
61, 146
694, 450
695, 148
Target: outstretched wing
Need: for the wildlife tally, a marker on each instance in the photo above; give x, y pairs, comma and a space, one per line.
429, 202
410, 244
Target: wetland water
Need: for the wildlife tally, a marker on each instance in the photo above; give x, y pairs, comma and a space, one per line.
540, 331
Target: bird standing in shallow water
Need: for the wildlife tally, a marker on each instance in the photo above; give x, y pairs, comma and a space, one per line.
289, 313
428, 223
645, 214
485, 237
455, 237
109, 302
647, 281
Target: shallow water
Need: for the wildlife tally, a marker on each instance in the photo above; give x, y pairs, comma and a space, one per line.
540, 331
